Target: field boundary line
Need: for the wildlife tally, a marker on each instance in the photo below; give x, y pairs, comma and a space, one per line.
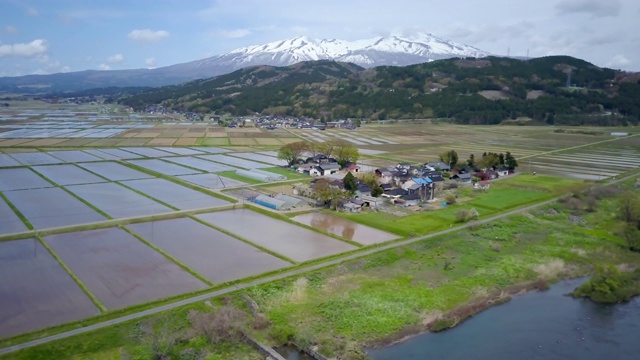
165, 254
75, 278
280, 276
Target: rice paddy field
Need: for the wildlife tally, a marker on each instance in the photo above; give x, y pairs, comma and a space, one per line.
580, 153
103, 211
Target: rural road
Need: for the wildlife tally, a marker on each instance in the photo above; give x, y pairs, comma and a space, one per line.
282, 275
230, 289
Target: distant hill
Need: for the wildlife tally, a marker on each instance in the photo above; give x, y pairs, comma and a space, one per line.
555, 89
390, 50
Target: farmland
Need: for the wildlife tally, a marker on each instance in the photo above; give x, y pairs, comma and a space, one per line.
128, 224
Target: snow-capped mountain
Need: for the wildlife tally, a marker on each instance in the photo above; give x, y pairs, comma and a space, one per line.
390, 50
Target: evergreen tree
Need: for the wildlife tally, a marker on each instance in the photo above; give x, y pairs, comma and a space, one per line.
510, 162
350, 183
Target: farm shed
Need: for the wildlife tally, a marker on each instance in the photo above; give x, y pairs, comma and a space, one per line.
271, 203
290, 200
278, 177
256, 176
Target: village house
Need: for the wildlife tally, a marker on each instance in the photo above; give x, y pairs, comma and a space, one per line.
462, 177
438, 166
324, 169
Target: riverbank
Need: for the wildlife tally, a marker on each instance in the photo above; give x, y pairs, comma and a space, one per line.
460, 314
538, 325
339, 310
435, 284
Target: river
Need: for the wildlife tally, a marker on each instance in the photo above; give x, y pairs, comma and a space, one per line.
539, 325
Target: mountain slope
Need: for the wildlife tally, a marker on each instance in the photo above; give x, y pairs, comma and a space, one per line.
469, 91
392, 50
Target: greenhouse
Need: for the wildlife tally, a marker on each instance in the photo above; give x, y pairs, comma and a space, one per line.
252, 174
274, 175
271, 203
290, 200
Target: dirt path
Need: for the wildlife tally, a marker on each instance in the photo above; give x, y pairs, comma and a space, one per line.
576, 147
282, 275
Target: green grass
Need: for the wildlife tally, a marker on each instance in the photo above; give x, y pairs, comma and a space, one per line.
370, 299
21, 216
231, 174
291, 175
505, 199
552, 184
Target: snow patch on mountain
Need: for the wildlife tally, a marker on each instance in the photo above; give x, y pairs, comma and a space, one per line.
377, 51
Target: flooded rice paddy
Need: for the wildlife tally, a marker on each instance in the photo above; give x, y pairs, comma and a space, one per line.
20, 179
114, 171
344, 228
119, 269
213, 254
6, 160
211, 181
74, 156
9, 221
101, 154
261, 158
180, 150
296, 243
147, 152
35, 158
175, 195
68, 174
59, 209
120, 154
35, 291
200, 164
164, 167
234, 161
118, 201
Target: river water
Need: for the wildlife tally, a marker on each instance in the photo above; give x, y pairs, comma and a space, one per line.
540, 325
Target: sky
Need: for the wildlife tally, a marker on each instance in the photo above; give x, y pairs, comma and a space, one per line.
50, 36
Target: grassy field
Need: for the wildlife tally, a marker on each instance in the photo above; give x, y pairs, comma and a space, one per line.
291, 175
231, 174
404, 290
503, 195
369, 300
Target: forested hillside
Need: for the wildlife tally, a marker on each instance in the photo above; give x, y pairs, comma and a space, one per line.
557, 89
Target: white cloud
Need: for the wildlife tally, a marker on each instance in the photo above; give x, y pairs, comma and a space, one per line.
10, 29
617, 61
104, 67
234, 34
114, 59
148, 36
150, 62
32, 11
595, 8
36, 47
65, 69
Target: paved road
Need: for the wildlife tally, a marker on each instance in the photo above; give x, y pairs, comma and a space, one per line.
282, 275
230, 289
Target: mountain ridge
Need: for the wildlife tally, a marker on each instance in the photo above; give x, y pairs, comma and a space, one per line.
470, 91
378, 51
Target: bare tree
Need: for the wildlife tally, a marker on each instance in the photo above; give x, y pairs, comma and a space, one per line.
223, 325
160, 336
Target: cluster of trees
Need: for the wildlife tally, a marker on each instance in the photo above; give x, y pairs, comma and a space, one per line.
488, 160
442, 89
344, 152
629, 213
609, 285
